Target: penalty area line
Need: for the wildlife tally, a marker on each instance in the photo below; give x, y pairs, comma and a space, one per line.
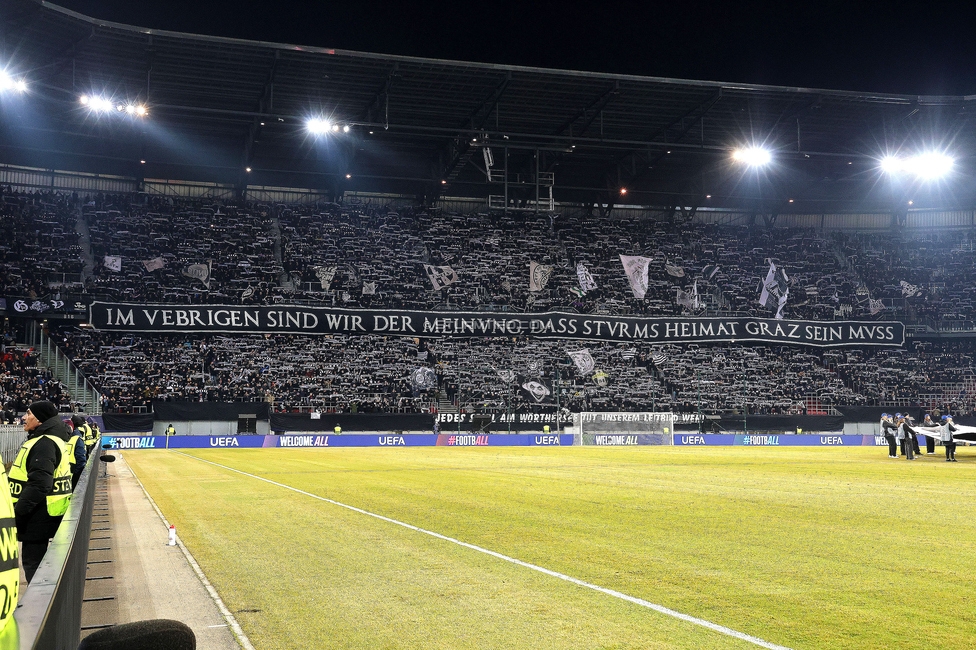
721, 629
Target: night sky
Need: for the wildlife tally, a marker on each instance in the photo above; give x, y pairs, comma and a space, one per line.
921, 48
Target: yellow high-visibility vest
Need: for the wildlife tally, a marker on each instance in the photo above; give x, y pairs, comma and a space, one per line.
9, 557
57, 501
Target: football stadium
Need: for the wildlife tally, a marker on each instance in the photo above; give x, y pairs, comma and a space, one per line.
309, 347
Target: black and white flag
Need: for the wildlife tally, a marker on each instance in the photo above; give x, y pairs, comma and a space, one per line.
909, 290
875, 306
775, 290
709, 270
154, 264
538, 276
325, 274
583, 360
586, 281
369, 288
507, 376
659, 358
113, 262
537, 390
635, 266
440, 276
674, 271
200, 272
423, 378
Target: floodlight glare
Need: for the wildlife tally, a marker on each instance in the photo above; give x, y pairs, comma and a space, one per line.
318, 126
9, 83
98, 104
335, 127
925, 166
752, 156
345, 129
930, 165
891, 164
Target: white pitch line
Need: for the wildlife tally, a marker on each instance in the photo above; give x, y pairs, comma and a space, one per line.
235, 627
721, 629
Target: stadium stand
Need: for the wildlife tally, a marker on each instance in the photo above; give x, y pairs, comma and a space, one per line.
273, 253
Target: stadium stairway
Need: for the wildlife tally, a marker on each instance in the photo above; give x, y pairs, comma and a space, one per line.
134, 575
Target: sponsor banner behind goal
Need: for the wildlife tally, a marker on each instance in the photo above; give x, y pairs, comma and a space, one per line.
785, 440
624, 429
356, 440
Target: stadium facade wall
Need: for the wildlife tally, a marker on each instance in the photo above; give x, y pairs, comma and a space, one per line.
35, 178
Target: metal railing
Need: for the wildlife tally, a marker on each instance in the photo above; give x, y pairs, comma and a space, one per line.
51, 357
11, 437
49, 614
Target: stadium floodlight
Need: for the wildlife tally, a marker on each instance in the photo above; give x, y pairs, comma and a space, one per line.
345, 129
9, 83
753, 156
318, 126
930, 165
97, 104
925, 166
134, 109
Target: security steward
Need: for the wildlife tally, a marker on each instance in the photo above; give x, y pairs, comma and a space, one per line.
9, 558
40, 482
88, 433
76, 450
546, 429
337, 430
171, 430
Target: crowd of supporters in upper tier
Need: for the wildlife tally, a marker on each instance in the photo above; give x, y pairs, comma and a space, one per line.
59, 248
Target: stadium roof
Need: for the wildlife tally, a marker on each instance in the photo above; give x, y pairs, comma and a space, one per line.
219, 105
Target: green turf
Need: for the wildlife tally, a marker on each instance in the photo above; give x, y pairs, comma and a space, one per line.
802, 547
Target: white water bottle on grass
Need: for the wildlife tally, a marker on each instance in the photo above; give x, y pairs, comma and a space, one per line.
172, 536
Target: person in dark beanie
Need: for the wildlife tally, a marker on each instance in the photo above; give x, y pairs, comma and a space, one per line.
40, 482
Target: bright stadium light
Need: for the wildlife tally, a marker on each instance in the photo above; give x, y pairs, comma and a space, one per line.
752, 156
345, 129
930, 165
318, 126
133, 109
97, 104
925, 166
891, 164
9, 83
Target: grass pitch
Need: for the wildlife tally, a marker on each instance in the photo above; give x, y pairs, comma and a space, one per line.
800, 547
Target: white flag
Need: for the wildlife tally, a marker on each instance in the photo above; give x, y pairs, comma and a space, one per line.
635, 267
325, 274
113, 263
909, 290
586, 281
154, 264
775, 289
875, 306
369, 288
440, 276
538, 276
199, 271
584, 361
675, 271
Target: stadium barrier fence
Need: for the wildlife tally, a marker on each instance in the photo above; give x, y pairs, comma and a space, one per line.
49, 614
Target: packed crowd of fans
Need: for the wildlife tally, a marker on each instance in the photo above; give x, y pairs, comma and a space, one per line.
21, 381
160, 249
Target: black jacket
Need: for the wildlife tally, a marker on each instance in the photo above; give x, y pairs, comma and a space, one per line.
33, 522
